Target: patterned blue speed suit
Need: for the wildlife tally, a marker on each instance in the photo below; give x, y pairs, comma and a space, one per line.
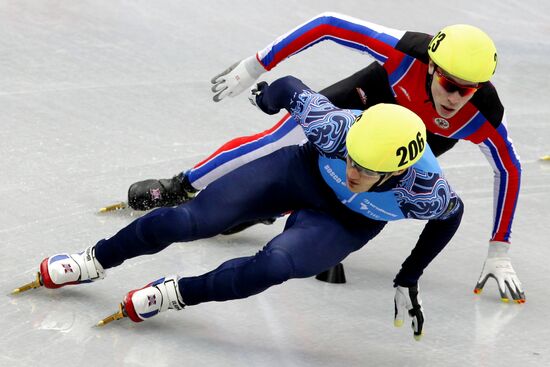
328, 222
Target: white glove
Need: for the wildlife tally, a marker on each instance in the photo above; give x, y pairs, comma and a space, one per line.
407, 299
499, 266
236, 78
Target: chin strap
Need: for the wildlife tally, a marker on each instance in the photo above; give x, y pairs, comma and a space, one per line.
380, 180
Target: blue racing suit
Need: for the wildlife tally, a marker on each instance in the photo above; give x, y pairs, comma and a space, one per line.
327, 223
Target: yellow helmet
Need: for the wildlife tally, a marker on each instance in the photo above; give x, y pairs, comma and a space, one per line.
464, 51
386, 138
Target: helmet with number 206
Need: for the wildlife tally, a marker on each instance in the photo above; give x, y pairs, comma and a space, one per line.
386, 138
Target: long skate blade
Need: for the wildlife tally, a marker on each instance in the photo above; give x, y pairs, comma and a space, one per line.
113, 207
116, 316
37, 283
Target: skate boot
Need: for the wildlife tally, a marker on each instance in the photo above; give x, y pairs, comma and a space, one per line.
149, 194
144, 303
63, 269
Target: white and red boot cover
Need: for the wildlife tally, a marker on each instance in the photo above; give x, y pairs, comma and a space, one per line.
64, 269
161, 295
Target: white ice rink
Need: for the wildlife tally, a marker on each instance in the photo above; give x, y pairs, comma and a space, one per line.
95, 95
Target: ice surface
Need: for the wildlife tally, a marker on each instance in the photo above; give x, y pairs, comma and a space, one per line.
95, 95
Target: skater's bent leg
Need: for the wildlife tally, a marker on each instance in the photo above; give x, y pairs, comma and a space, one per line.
311, 243
239, 196
146, 235
242, 150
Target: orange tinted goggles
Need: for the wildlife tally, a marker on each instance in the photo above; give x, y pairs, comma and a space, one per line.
451, 86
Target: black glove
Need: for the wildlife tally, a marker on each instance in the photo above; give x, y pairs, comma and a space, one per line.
256, 97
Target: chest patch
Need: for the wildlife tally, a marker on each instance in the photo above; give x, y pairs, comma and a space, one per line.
442, 123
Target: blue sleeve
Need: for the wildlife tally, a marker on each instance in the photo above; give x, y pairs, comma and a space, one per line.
324, 124
436, 235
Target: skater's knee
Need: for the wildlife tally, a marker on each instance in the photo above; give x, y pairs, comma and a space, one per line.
167, 225
278, 266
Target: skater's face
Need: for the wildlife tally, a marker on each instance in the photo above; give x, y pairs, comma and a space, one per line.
360, 179
449, 93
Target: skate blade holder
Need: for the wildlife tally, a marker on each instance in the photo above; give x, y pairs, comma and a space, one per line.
120, 314
110, 208
37, 283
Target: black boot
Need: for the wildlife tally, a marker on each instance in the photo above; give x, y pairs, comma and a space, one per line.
148, 194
